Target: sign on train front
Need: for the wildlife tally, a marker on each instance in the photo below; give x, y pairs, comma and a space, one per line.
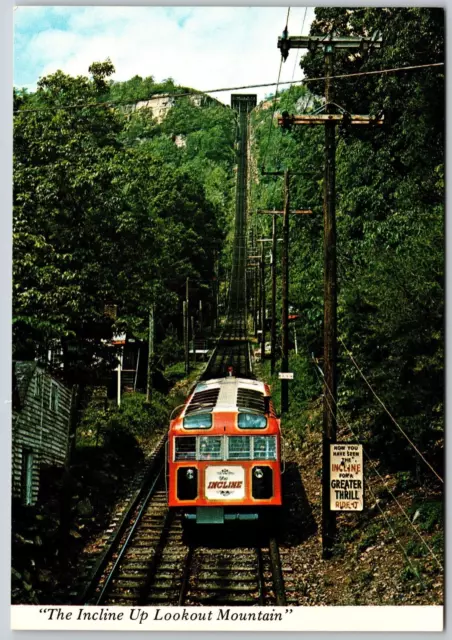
346, 477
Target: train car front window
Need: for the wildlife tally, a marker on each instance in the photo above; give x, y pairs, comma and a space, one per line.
198, 421
251, 421
239, 448
210, 448
185, 448
264, 448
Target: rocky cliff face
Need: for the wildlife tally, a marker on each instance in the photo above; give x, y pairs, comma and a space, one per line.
160, 104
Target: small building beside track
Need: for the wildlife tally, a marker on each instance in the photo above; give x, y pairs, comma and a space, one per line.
40, 427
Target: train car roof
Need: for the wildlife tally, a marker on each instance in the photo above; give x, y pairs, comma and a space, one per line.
228, 394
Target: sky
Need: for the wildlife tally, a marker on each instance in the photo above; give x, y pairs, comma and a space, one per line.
199, 47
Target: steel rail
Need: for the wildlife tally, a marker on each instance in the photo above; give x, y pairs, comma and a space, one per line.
126, 543
106, 555
277, 575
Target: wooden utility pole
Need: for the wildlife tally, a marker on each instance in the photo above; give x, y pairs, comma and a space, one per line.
263, 302
273, 268
186, 328
253, 284
215, 290
256, 289
285, 282
255, 310
329, 310
285, 295
150, 354
193, 338
119, 383
329, 119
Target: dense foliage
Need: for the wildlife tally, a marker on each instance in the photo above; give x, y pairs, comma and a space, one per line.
109, 210
390, 224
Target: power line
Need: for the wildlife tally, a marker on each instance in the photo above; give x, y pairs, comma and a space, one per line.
427, 546
377, 504
271, 127
389, 414
298, 50
275, 98
415, 529
287, 17
206, 91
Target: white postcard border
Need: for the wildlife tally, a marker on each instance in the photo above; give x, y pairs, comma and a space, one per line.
352, 618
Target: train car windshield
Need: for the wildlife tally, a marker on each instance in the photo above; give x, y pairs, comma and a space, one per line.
198, 421
251, 421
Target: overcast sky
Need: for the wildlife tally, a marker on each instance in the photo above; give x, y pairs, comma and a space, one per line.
199, 47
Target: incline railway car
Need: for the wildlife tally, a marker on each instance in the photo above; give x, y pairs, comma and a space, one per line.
224, 453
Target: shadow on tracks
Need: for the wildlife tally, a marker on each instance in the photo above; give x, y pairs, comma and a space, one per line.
297, 520
230, 535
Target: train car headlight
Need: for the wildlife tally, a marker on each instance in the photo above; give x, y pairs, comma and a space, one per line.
262, 483
187, 483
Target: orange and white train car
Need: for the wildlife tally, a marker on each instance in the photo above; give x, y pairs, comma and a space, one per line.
224, 452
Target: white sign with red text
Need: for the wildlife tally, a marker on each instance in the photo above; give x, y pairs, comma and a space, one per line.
346, 477
225, 483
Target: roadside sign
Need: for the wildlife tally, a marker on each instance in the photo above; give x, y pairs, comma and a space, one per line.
346, 477
285, 375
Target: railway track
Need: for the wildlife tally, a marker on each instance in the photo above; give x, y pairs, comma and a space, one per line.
119, 528
233, 348
155, 564
152, 559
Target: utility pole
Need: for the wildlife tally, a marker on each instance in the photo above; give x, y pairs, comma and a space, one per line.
263, 302
329, 119
255, 310
257, 290
285, 295
184, 323
150, 354
118, 398
285, 282
214, 319
273, 268
187, 326
253, 283
193, 338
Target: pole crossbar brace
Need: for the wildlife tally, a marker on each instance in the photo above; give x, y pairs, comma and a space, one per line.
273, 212
337, 118
328, 42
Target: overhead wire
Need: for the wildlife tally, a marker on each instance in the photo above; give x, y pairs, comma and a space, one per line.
391, 528
275, 98
343, 417
389, 413
298, 50
111, 104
